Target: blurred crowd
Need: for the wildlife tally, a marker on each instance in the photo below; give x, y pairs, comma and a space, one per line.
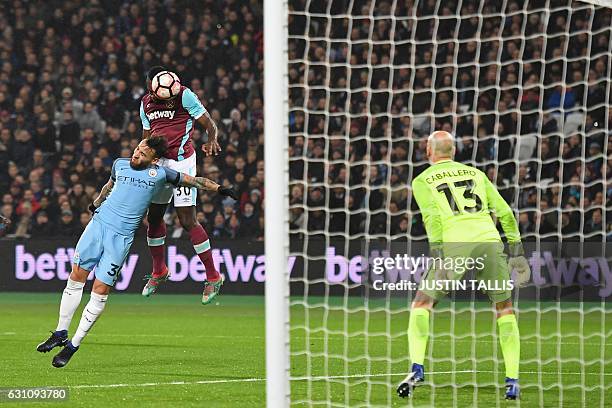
524, 86
72, 74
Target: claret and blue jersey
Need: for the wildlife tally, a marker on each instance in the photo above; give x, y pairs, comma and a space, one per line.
173, 119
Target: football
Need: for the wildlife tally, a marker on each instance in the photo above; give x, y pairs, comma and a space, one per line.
166, 85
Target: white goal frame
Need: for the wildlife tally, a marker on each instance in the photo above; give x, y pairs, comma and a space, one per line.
277, 202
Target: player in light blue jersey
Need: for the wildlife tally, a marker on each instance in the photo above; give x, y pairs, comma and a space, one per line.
105, 243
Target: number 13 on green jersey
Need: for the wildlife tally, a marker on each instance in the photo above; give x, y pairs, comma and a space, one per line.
456, 202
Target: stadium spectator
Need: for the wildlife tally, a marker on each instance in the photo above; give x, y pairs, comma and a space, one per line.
42, 228
67, 227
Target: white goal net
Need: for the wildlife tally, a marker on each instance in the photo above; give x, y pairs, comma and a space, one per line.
525, 87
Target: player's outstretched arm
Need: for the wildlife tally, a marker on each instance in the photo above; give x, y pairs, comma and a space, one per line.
202, 183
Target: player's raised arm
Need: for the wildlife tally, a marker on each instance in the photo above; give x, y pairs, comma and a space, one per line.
200, 114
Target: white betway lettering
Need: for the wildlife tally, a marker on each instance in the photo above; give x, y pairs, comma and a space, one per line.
48, 266
238, 267
168, 114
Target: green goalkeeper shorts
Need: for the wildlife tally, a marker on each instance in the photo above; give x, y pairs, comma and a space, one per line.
487, 260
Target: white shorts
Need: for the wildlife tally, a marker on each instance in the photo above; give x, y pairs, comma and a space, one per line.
183, 196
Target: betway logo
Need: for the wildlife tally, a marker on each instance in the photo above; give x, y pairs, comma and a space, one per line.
237, 268
48, 266
587, 271
168, 114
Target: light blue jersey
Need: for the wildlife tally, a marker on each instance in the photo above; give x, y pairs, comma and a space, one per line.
124, 208
107, 239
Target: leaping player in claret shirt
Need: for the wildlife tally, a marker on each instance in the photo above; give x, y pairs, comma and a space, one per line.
172, 111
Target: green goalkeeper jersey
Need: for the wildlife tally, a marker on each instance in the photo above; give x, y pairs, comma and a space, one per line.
456, 202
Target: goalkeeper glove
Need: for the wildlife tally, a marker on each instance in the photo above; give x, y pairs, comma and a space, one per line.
440, 273
518, 263
226, 191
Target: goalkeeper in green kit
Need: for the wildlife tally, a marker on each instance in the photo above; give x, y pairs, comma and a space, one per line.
456, 202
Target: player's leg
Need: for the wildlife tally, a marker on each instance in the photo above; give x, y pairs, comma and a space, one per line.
87, 254
116, 248
418, 334
156, 239
184, 202
496, 272
510, 342
91, 313
201, 245
156, 234
71, 298
424, 301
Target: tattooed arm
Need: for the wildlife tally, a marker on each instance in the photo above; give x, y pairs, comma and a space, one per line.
201, 183
104, 193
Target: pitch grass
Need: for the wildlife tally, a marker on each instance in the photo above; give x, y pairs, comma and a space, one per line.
171, 351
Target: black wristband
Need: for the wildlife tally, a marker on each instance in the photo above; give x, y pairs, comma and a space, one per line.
92, 208
515, 249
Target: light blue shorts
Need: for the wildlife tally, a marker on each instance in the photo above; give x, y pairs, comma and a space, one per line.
104, 249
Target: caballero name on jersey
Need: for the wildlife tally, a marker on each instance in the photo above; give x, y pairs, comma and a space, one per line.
168, 114
451, 173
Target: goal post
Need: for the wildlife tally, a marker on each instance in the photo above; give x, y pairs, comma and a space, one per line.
276, 203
